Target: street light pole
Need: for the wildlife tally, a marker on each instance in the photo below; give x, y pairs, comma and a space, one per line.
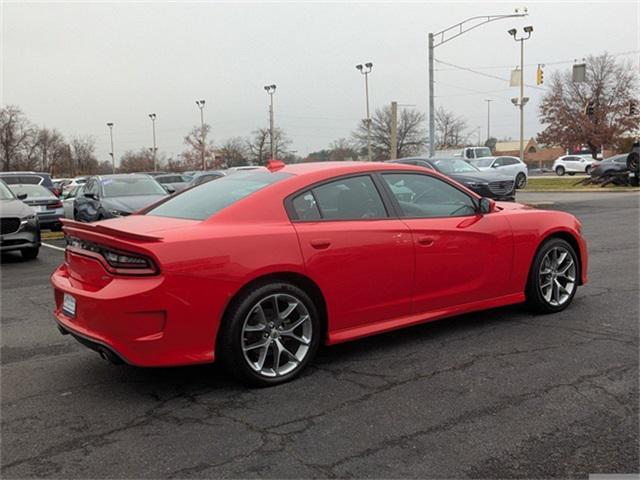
271, 90
488, 118
366, 70
200, 104
113, 156
152, 116
521, 99
443, 36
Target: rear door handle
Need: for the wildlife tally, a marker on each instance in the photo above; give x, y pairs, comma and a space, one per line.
426, 241
320, 243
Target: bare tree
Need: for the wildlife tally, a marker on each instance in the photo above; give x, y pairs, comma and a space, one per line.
17, 138
450, 129
192, 156
234, 152
50, 150
342, 150
83, 159
259, 147
610, 86
410, 132
136, 161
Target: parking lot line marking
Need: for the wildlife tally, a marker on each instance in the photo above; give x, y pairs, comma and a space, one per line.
53, 246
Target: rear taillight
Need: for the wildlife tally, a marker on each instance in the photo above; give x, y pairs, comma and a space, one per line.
114, 260
56, 191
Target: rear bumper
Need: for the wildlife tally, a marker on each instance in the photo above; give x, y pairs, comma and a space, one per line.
135, 320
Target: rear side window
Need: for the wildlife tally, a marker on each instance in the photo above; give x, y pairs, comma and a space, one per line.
205, 200
352, 198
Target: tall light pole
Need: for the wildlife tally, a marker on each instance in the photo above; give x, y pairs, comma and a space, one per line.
488, 118
152, 116
366, 70
200, 104
113, 156
521, 100
271, 89
443, 36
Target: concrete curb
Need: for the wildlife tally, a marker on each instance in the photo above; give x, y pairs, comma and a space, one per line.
51, 235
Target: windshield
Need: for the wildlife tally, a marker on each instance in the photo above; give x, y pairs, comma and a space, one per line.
5, 193
199, 203
453, 165
131, 186
32, 191
483, 162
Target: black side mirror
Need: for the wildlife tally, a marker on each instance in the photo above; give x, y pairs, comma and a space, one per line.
91, 195
487, 205
22, 196
169, 189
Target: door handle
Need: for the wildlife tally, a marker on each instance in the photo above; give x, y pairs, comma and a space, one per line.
426, 241
320, 243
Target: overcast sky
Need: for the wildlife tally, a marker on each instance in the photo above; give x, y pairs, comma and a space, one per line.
76, 65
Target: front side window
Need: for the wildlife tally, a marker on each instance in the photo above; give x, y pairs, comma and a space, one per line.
352, 198
424, 196
203, 201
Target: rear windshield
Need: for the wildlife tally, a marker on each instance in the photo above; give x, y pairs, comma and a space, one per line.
31, 191
201, 202
22, 179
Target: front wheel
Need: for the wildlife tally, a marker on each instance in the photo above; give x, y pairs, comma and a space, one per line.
553, 279
30, 253
270, 334
588, 170
521, 181
560, 171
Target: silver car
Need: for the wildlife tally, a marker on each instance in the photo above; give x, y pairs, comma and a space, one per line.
47, 206
511, 166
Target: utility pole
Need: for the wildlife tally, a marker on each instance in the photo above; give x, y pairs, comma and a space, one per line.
443, 36
488, 118
152, 116
366, 70
522, 100
271, 90
113, 156
200, 104
394, 130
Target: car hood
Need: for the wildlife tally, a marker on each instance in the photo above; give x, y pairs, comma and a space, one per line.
14, 208
480, 177
130, 204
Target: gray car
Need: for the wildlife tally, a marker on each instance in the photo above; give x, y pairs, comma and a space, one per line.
19, 226
110, 196
47, 206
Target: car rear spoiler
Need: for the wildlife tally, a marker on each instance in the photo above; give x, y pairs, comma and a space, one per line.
69, 226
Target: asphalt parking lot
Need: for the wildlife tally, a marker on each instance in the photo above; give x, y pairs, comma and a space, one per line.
502, 393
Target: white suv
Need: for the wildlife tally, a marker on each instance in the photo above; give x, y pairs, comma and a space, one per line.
573, 164
511, 166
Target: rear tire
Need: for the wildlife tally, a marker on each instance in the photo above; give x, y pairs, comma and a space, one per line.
269, 334
560, 171
30, 253
553, 278
521, 181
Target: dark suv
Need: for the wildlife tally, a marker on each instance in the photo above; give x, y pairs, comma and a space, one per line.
30, 178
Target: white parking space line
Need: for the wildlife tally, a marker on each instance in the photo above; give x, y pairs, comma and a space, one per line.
53, 247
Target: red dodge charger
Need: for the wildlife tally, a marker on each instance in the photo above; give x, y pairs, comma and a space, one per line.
259, 267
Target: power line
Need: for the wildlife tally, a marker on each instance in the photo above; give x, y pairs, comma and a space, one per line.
488, 75
557, 62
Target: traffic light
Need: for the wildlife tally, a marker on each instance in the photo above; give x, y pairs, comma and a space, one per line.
539, 75
589, 107
633, 108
